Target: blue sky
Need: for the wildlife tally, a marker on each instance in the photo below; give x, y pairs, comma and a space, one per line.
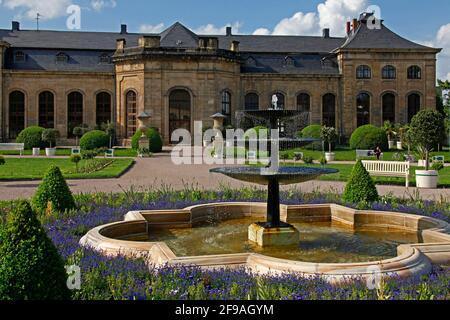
416, 20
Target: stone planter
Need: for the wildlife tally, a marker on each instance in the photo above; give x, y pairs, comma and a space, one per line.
50, 152
36, 152
330, 156
427, 179
422, 163
399, 145
391, 144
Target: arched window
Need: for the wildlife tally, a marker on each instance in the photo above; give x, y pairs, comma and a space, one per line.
226, 106
389, 107
19, 57
251, 101
329, 110
303, 102
16, 113
179, 111
46, 110
281, 99
131, 116
389, 72
74, 112
103, 108
414, 72
363, 109
363, 72
413, 105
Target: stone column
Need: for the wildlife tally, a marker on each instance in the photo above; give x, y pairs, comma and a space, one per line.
3, 46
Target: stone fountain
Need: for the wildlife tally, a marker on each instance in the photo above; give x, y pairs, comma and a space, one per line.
273, 232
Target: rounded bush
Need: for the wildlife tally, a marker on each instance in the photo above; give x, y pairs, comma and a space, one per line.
369, 137
32, 137
53, 193
360, 187
30, 266
94, 140
2, 161
260, 130
312, 132
155, 140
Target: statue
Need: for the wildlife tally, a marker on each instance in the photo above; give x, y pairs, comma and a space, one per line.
275, 102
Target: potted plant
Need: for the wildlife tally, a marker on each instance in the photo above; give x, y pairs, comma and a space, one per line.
78, 133
389, 128
400, 132
329, 135
426, 131
50, 136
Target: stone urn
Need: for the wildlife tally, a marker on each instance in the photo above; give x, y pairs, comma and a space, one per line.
50, 152
427, 179
399, 145
391, 144
36, 152
330, 156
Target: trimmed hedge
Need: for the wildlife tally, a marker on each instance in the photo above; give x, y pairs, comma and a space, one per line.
30, 266
312, 132
94, 140
155, 140
31, 137
360, 187
53, 193
369, 137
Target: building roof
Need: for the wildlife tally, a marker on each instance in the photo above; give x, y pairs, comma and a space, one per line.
367, 37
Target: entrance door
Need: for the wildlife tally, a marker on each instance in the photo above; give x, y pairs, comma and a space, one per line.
179, 111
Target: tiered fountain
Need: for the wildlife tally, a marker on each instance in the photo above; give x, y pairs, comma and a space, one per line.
273, 232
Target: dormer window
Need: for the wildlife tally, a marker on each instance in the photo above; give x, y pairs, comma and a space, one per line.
19, 57
289, 61
62, 58
251, 62
105, 58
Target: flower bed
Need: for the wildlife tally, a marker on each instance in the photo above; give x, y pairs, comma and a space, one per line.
121, 278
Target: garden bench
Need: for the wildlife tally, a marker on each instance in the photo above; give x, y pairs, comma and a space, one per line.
75, 151
439, 159
109, 153
367, 154
388, 169
13, 147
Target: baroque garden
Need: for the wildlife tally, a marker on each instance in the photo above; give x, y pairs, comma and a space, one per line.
342, 191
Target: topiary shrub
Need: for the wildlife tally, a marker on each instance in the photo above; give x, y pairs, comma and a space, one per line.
31, 137
369, 137
360, 187
55, 191
312, 132
30, 266
2, 160
155, 140
94, 140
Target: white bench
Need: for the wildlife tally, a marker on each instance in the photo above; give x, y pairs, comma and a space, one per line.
12, 147
366, 154
388, 169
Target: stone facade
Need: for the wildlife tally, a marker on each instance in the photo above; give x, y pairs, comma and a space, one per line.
215, 72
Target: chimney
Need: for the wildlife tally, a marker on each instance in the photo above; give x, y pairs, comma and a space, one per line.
355, 25
326, 33
123, 29
349, 27
120, 44
15, 26
229, 31
235, 46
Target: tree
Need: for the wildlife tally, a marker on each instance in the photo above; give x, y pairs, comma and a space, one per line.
360, 187
329, 135
426, 131
389, 127
54, 190
50, 136
30, 266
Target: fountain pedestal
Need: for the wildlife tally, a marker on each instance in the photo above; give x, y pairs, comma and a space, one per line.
266, 236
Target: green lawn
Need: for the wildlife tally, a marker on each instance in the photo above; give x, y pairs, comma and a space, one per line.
347, 154
34, 169
119, 152
345, 171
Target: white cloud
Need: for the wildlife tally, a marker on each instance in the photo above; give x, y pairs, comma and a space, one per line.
99, 5
331, 14
148, 28
212, 29
261, 32
49, 9
443, 41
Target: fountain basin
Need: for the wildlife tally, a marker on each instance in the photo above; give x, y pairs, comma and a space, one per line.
412, 258
284, 175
